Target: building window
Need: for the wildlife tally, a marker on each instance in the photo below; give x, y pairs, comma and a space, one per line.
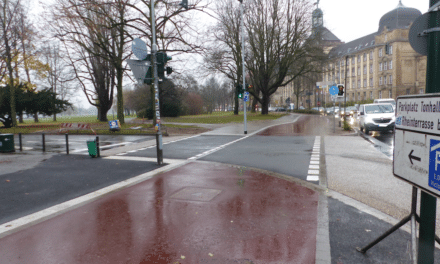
385, 66
380, 80
353, 72
365, 69
359, 70
365, 82
371, 94
352, 61
371, 82
342, 63
380, 66
380, 52
390, 94
391, 79
371, 68
365, 56
348, 72
359, 84
359, 58
390, 49
359, 96
365, 95
408, 91
421, 91
385, 79
390, 65
354, 84
380, 94
352, 95
371, 55
348, 86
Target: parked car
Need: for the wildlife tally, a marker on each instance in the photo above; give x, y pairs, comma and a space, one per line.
376, 117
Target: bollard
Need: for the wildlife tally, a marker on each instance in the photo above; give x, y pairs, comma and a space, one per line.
98, 152
67, 143
19, 140
44, 142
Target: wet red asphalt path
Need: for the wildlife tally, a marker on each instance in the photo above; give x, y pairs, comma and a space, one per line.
197, 213
306, 125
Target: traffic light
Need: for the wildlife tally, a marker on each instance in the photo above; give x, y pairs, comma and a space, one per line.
341, 89
240, 91
162, 58
184, 4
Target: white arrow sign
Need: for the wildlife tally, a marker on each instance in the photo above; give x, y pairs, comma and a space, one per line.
139, 68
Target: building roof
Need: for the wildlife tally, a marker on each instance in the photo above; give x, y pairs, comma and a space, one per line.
327, 35
400, 17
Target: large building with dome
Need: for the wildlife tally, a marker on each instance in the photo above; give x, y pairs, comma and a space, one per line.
379, 65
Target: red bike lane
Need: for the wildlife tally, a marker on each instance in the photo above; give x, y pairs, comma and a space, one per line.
198, 213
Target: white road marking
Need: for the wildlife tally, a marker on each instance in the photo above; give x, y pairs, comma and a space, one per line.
312, 178
313, 172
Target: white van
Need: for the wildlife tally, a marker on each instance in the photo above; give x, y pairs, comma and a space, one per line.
386, 101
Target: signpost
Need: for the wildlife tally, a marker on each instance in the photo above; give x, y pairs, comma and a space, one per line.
417, 141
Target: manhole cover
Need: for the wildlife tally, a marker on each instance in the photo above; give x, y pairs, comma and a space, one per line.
196, 194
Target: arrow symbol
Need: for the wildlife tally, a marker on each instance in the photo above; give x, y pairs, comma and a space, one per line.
411, 157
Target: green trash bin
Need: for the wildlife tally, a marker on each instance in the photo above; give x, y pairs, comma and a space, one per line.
91, 145
7, 143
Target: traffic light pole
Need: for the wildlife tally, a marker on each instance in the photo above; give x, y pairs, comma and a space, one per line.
242, 56
156, 88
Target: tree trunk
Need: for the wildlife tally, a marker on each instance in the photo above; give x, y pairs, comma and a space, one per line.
102, 113
119, 74
36, 117
20, 118
265, 104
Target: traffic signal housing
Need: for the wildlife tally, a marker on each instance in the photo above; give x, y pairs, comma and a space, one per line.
240, 91
341, 90
162, 58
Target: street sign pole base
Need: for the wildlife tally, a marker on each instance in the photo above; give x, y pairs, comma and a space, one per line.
412, 216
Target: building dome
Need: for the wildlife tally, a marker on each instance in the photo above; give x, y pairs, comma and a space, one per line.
317, 12
400, 17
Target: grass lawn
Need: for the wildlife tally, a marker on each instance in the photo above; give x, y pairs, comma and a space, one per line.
222, 118
102, 128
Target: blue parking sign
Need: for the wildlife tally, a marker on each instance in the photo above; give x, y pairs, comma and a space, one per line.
434, 164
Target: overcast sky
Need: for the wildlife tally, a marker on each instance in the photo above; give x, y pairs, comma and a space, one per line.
352, 19
347, 19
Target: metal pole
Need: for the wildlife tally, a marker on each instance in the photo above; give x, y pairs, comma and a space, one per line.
98, 151
156, 88
19, 140
44, 142
345, 87
428, 203
67, 143
242, 56
413, 225
334, 117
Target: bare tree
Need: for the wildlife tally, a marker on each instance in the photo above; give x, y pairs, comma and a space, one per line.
94, 33
224, 50
280, 46
59, 76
